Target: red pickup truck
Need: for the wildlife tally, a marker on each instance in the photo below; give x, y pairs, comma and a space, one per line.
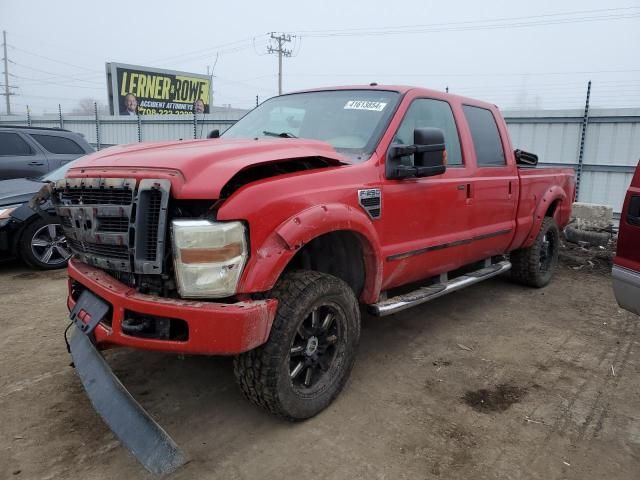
264, 242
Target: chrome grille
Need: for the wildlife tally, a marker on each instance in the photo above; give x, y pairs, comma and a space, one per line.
96, 196
113, 224
117, 224
153, 215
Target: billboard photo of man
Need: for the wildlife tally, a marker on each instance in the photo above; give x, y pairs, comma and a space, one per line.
199, 106
130, 105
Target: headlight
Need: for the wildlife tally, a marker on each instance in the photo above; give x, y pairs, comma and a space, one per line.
208, 256
6, 211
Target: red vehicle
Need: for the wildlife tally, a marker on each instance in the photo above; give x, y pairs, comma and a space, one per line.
626, 264
263, 243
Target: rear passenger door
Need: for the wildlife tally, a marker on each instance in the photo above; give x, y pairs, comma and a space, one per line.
494, 187
20, 158
59, 149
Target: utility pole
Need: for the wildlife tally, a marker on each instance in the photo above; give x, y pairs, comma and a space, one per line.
7, 93
280, 40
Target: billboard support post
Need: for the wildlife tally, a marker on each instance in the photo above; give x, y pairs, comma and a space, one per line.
95, 111
139, 127
60, 120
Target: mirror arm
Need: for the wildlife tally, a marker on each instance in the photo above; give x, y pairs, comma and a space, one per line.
406, 150
405, 171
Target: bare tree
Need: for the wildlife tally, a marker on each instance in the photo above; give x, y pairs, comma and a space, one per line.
86, 107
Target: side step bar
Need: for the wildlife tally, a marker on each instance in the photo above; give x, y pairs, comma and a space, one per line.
425, 294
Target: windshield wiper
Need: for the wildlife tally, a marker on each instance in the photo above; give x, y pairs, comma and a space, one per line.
281, 134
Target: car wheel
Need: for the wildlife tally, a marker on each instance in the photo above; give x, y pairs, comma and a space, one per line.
43, 245
311, 348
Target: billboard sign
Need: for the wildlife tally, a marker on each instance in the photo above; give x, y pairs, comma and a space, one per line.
136, 90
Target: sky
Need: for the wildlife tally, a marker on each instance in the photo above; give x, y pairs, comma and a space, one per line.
516, 54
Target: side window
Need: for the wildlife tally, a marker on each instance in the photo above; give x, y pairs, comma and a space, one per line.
13, 144
425, 112
485, 135
60, 145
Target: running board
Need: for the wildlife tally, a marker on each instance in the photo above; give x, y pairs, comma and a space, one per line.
425, 294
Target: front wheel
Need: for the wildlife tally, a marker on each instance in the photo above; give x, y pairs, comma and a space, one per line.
43, 245
311, 349
534, 266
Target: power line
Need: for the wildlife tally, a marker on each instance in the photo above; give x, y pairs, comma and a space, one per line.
56, 75
39, 81
54, 60
506, 22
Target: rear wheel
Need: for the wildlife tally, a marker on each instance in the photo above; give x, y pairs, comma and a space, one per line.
311, 349
534, 266
43, 245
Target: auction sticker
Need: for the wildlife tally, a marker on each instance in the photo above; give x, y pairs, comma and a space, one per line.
365, 105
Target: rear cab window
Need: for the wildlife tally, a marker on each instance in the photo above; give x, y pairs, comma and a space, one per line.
486, 137
57, 144
12, 144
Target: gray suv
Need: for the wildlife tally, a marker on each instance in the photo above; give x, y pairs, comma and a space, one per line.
27, 152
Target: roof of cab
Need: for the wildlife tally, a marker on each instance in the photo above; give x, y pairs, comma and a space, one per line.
402, 89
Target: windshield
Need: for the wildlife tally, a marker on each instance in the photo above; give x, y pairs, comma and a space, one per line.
58, 173
352, 121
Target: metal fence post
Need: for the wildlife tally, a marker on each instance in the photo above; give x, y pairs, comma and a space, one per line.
583, 135
28, 116
139, 126
95, 110
60, 116
195, 121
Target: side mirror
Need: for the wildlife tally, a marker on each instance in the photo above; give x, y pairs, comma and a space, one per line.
428, 151
525, 159
214, 134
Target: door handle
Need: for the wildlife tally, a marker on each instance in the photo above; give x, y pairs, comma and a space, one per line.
461, 187
37, 164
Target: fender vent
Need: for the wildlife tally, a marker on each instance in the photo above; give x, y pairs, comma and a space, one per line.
371, 201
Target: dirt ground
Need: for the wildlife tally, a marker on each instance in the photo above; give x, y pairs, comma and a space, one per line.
494, 382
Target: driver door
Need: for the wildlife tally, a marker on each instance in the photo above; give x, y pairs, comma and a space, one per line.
428, 231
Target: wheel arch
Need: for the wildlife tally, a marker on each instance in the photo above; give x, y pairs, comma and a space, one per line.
548, 206
298, 240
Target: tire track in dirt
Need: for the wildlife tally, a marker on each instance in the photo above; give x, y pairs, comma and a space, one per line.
610, 383
561, 423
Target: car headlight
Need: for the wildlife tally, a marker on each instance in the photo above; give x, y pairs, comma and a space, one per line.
208, 257
6, 211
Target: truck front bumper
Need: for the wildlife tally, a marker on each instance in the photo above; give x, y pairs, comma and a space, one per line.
135, 428
212, 328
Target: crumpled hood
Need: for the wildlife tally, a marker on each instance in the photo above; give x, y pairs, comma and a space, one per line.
198, 169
